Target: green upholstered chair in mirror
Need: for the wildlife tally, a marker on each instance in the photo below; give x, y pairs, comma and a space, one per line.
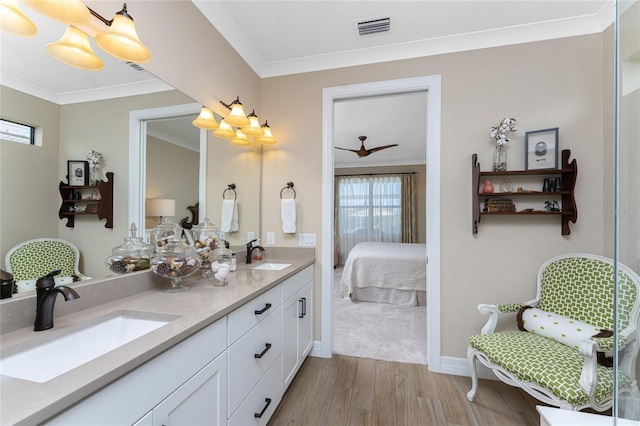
562, 352
35, 258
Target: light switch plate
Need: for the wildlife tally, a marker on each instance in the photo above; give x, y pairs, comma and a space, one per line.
306, 240
271, 237
250, 236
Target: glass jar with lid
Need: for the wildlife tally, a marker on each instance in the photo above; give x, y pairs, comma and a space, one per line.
206, 237
164, 232
131, 256
175, 260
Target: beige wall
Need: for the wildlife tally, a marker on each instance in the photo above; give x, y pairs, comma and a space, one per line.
421, 189
29, 175
557, 83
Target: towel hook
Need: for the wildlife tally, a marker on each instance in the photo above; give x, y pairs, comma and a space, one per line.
289, 186
231, 187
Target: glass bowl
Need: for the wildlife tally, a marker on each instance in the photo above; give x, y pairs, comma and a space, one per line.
175, 260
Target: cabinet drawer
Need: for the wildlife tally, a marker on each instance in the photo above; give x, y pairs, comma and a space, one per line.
269, 388
293, 284
252, 355
242, 319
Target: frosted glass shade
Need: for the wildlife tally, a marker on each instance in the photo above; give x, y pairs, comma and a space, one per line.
72, 12
74, 49
237, 117
160, 207
121, 40
240, 139
268, 138
224, 131
13, 21
206, 120
254, 128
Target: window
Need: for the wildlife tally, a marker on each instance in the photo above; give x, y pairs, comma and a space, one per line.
16, 132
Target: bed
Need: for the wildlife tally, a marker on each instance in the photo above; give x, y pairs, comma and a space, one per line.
394, 273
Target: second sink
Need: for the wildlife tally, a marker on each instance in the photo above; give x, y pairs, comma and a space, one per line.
272, 266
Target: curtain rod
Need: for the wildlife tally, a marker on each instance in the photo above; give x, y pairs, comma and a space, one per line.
378, 174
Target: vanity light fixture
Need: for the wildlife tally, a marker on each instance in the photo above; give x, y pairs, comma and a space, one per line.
254, 128
121, 39
224, 131
236, 117
74, 49
267, 138
72, 12
240, 138
13, 21
206, 120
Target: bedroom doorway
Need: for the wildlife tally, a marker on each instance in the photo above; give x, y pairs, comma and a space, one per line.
429, 87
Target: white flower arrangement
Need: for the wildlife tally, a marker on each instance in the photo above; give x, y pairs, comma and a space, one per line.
94, 158
502, 130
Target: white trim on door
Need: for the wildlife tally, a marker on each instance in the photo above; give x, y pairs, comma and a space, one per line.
432, 85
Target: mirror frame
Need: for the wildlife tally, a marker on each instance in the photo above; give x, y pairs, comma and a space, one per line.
138, 154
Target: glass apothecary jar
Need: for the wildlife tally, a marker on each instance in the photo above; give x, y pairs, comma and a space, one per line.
206, 237
165, 232
131, 256
175, 260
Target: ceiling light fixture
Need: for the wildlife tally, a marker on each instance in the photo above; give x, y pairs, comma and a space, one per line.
13, 21
206, 120
72, 12
74, 49
121, 39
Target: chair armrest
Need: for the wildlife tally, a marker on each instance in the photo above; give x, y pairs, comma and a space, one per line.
607, 343
494, 311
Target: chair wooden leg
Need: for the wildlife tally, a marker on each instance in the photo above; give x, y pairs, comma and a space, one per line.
474, 374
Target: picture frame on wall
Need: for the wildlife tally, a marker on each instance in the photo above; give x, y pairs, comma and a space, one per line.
78, 172
541, 149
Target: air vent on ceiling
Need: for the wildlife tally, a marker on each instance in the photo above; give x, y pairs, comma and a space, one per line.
135, 66
374, 26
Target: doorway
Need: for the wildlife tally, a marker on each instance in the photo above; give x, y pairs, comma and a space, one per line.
430, 84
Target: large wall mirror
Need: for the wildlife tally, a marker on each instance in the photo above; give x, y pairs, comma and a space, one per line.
73, 117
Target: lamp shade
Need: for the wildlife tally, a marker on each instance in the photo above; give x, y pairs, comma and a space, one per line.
160, 207
254, 128
121, 40
224, 131
74, 49
240, 139
72, 12
267, 138
206, 120
237, 117
13, 21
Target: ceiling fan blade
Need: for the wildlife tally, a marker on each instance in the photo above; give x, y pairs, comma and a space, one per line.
378, 148
347, 149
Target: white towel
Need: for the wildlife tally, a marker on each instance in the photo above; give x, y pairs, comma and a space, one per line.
288, 214
229, 216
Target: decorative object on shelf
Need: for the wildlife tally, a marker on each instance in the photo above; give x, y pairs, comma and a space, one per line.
506, 186
551, 206
499, 204
175, 260
131, 256
541, 149
95, 159
77, 173
487, 188
500, 133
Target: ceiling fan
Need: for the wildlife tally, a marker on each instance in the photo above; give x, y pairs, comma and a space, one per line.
363, 152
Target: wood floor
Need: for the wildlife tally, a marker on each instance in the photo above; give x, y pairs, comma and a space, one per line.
344, 390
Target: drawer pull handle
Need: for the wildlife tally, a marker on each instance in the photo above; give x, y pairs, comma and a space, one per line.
263, 310
267, 346
259, 415
301, 314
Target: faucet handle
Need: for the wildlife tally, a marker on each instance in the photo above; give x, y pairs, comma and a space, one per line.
47, 281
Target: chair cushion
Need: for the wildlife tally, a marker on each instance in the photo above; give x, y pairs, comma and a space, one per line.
551, 365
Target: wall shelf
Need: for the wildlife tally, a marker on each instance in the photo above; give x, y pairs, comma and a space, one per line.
568, 172
102, 205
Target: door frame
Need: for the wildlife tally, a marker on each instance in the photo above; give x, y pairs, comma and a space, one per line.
432, 85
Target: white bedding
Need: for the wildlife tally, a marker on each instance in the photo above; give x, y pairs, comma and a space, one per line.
386, 272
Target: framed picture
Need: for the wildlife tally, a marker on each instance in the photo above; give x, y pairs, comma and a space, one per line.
541, 149
78, 172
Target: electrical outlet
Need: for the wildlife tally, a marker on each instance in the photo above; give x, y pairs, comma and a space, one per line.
250, 236
271, 237
307, 240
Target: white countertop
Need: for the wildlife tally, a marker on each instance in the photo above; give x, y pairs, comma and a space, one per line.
25, 402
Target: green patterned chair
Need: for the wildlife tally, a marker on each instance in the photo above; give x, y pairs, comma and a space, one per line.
33, 259
579, 289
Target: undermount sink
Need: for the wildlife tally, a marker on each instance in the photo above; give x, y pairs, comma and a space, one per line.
62, 354
272, 266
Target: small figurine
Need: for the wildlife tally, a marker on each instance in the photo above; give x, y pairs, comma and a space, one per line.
487, 188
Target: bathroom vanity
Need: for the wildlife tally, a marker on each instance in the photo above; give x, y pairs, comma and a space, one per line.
217, 355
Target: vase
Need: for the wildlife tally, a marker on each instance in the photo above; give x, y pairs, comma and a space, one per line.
500, 159
93, 175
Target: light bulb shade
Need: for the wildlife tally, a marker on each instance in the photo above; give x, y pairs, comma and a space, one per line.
160, 207
72, 12
206, 120
13, 21
224, 131
254, 128
268, 138
74, 49
237, 117
121, 40
240, 139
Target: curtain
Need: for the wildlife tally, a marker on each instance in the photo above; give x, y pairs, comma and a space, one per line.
371, 208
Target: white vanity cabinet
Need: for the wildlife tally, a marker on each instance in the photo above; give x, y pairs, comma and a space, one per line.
297, 331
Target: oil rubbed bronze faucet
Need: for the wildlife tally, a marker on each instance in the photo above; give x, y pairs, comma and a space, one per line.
46, 292
251, 247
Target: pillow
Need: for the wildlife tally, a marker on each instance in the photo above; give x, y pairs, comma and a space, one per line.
559, 328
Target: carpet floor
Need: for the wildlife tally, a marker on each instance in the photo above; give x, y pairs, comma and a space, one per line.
378, 330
